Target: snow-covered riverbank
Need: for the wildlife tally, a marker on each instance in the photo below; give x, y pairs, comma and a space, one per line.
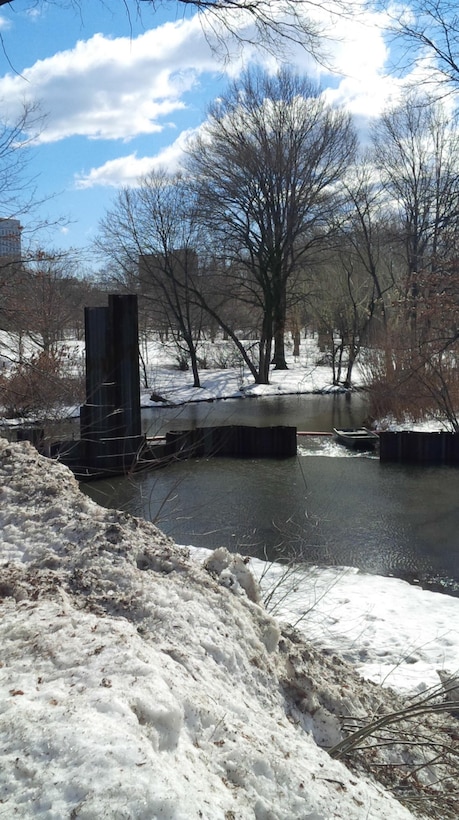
303, 376
134, 683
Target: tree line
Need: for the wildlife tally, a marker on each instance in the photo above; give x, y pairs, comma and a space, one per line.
279, 219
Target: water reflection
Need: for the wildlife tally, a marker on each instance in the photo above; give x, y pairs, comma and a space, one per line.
306, 412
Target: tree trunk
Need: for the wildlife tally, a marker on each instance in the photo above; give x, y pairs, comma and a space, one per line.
296, 343
278, 360
194, 364
265, 351
350, 364
144, 370
264, 362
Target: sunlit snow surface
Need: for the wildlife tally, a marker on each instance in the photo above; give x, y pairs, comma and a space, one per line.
395, 634
134, 684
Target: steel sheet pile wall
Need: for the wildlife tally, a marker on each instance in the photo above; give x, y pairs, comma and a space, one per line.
235, 441
419, 448
110, 418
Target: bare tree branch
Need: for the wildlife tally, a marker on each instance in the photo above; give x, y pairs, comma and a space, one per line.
271, 24
430, 32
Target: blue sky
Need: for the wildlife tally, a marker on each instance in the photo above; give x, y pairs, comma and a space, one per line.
121, 95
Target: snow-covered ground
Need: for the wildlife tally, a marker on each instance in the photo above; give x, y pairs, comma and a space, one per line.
139, 679
137, 683
305, 374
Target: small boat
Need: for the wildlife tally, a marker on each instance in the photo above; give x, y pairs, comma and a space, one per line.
356, 438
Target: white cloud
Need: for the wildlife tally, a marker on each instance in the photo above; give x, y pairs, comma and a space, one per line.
5, 24
121, 88
356, 72
360, 56
115, 88
127, 170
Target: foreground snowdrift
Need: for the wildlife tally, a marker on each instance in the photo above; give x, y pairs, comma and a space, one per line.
135, 684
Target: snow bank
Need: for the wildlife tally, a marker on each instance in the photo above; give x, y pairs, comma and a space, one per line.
135, 683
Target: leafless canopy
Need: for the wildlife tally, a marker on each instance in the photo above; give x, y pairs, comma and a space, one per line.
17, 190
261, 21
430, 31
270, 23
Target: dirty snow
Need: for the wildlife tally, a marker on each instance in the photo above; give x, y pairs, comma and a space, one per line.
134, 685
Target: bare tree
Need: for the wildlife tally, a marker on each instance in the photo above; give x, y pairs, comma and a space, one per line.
364, 265
151, 234
18, 197
341, 302
416, 149
49, 298
42, 304
154, 239
267, 165
365, 228
17, 188
430, 32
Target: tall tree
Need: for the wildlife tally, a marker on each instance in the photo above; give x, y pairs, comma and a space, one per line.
151, 234
365, 229
153, 237
417, 153
17, 188
416, 148
267, 166
363, 259
50, 298
17, 195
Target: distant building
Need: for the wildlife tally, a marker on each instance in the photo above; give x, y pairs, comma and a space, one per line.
10, 238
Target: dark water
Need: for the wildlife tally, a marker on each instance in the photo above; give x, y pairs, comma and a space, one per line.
325, 506
308, 412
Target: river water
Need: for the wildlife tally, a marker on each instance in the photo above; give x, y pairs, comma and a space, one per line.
326, 506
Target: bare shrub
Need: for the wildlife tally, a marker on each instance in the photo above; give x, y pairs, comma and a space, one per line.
40, 386
420, 384
412, 751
